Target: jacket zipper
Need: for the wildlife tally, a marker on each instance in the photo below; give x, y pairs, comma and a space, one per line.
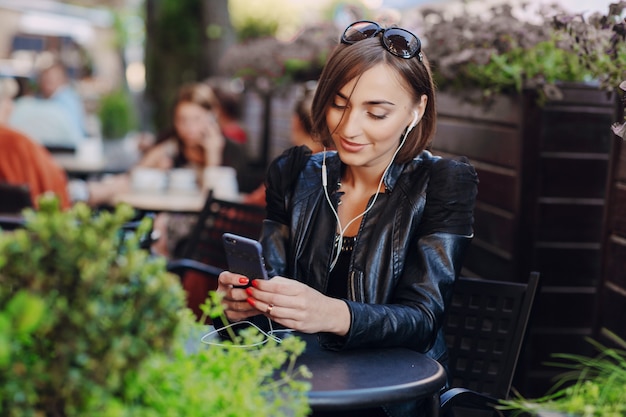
351, 281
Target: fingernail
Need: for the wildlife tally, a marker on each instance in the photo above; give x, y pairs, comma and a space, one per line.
249, 291
243, 280
251, 301
255, 283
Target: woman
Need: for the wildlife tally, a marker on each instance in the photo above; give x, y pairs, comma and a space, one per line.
196, 140
364, 243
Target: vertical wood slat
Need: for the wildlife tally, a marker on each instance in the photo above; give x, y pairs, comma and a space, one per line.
612, 288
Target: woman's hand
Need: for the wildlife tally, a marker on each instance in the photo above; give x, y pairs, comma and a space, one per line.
236, 306
298, 306
161, 156
213, 142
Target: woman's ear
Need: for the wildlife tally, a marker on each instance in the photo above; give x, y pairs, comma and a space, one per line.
416, 118
421, 105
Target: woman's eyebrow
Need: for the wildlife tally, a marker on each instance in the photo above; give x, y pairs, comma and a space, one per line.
368, 103
378, 102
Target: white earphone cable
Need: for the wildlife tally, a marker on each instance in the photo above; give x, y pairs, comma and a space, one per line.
270, 334
342, 230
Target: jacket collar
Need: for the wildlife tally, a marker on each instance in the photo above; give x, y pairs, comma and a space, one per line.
335, 167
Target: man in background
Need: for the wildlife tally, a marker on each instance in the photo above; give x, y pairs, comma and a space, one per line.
55, 118
23, 161
54, 85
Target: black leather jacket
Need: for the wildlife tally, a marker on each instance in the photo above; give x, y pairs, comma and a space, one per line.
407, 253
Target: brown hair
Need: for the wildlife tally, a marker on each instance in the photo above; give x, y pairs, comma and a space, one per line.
197, 93
349, 61
302, 108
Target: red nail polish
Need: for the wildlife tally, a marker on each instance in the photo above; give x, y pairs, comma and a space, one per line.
255, 284
251, 301
243, 280
249, 291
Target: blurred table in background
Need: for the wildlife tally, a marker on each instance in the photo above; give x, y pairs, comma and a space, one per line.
97, 158
170, 201
173, 201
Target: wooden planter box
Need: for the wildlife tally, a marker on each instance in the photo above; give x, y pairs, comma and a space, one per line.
543, 174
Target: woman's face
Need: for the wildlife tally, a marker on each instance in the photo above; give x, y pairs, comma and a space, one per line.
369, 116
191, 122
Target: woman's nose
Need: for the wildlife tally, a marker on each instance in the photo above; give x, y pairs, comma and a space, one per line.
350, 125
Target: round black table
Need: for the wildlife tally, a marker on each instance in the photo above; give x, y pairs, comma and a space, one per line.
363, 378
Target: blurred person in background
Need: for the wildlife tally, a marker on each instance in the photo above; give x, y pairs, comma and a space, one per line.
194, 141
301, 123
56, 116
301, 134
22, 160
229, 109
54, 85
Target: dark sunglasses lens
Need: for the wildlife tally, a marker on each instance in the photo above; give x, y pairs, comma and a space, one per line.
359, 31
401, 42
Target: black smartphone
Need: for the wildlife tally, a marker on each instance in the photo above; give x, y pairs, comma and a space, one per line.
244, 256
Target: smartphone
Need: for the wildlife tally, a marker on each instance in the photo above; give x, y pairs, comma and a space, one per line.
244, 256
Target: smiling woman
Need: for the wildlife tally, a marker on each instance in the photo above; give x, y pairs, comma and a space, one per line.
363, 243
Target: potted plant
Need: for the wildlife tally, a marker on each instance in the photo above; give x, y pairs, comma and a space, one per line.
117, 114
501, 52
593, 386
90, 324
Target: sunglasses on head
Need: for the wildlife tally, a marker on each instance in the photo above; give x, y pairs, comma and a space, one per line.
399, 42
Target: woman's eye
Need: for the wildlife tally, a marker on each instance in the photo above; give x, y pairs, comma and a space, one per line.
377, 116
339, 106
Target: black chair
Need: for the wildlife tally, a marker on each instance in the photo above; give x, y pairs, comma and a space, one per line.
61, 149
11, 222
148, 238
201, 257
14, 198
485, 327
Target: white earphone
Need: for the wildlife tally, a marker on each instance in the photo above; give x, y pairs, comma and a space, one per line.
414, 122
371, 204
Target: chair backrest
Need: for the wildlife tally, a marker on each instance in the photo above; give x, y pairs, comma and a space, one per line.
11, 222
14, 198
204, 243
485, 327
61, 149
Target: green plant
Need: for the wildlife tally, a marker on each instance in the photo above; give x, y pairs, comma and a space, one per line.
117, 114
107, 305
501, 52
598, 41
224, 380
593, 386
268, 63
90, 324
600, 45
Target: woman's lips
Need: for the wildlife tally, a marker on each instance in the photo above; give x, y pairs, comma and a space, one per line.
351, 146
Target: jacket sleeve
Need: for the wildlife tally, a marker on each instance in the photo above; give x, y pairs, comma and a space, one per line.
414, 314
282, 175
